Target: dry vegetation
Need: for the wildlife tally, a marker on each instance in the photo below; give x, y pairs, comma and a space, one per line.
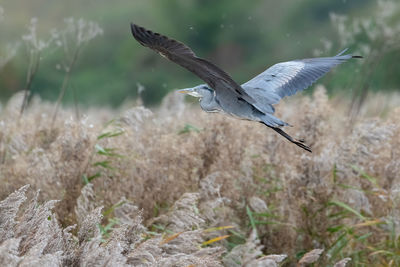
146, 188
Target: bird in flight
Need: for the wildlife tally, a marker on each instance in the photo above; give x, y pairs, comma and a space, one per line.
252, 100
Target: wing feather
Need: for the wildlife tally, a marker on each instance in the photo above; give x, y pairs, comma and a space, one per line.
160, 43
185, 57
287, 78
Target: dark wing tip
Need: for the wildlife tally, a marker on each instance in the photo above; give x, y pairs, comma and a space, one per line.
135, 29
341, 53
159, 42
133, 26
139, 33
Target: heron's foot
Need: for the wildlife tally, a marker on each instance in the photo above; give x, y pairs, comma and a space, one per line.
301, 144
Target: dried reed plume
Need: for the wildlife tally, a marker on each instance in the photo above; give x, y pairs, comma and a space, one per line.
179, 187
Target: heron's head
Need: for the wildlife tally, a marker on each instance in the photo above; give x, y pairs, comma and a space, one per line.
197, 91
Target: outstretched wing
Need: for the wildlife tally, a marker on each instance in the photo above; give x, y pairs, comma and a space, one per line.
185, 57
287, 78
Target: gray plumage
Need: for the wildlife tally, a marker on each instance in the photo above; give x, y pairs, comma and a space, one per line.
252, 100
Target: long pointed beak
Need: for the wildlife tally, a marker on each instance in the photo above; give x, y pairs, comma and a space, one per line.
185, 91
190, 91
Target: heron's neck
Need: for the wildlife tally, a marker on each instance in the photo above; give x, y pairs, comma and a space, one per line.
208, 103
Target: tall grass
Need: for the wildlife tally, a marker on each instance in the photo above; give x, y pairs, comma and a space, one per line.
184, 170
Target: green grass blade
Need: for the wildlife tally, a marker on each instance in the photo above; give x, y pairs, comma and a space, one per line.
348, 208
251, 218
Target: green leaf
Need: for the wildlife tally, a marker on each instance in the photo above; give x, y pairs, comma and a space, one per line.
90, 178
335, 229
162, 228
87, 180
365, 175
106, 151
237, 234
265, 214
265, 222
348, 208
339, 215
251, 218
110, 134
338, 245
189, 128
112, 208
334, 173
105, 164
99, 148
364, 236
350, 187
105, 230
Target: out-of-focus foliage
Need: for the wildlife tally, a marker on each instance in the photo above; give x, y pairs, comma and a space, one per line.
242, 37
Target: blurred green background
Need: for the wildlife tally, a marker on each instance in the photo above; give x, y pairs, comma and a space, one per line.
242, 37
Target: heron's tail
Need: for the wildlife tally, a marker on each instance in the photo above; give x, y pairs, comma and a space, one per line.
299, 143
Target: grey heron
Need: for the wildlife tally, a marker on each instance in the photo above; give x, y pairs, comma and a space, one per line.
252, 100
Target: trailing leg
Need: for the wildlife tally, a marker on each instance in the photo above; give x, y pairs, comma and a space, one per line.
299, 143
